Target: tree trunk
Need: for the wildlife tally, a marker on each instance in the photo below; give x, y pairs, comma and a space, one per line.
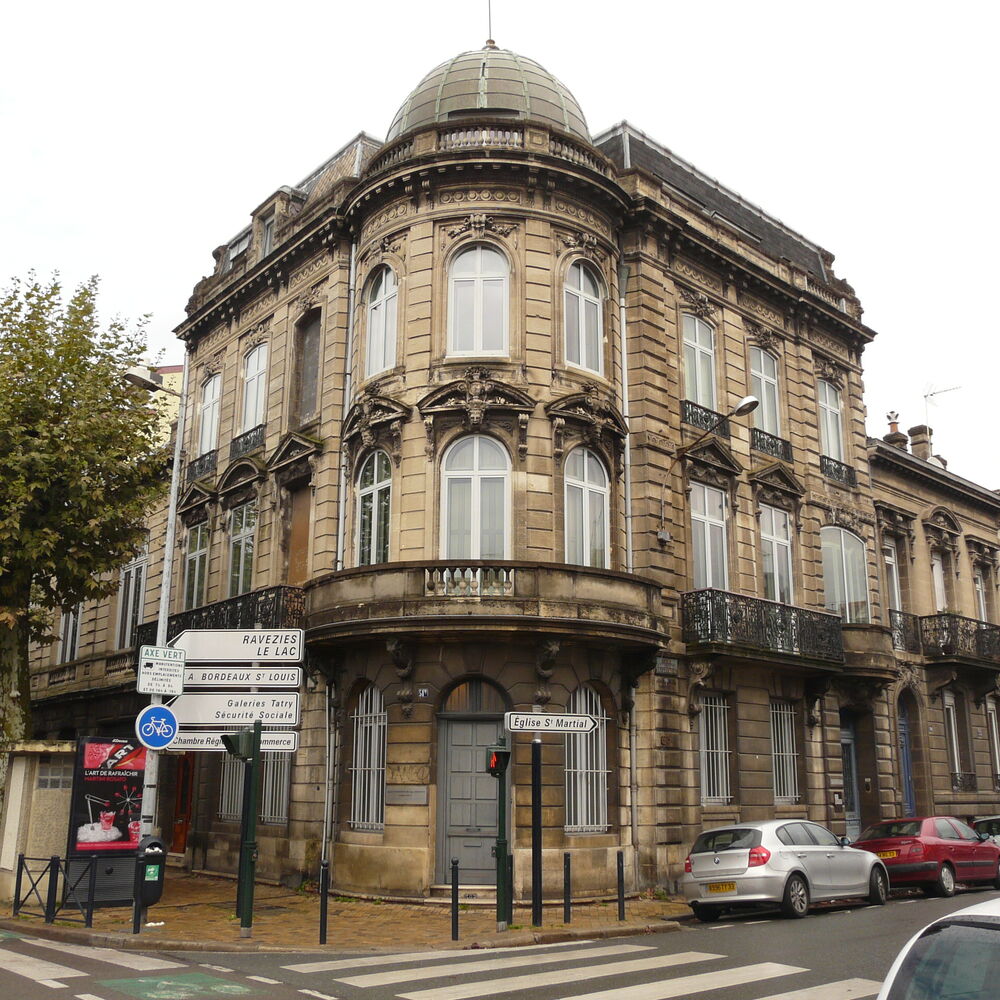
15, 697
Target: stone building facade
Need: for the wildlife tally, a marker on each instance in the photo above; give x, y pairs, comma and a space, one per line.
456, 406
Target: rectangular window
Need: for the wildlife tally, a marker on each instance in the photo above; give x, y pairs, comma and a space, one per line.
940, 581
699, 362
69, 634
55, 772
713, 730
254, 387
587, 768
267, 237
979, 587
993, 731
951, 732
242, 525
764, 385
891, 560
196, 567
131, 594
831, 437
708, 537
208, 435
776, 553
784, 757
368, 770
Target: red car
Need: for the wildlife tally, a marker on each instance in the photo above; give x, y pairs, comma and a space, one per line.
933, 852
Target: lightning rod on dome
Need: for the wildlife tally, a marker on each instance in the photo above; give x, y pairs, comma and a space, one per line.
490, 44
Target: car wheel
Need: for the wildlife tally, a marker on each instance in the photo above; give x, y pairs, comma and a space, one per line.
878, 887
706, 914
795, 901
945, 884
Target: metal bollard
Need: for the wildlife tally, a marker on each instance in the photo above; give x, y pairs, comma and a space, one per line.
567, 912
324, 895
621, 885
91, 889
510, 889
17, 885
454, 899
53, 894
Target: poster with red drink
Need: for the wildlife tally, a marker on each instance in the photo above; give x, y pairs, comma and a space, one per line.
107, 795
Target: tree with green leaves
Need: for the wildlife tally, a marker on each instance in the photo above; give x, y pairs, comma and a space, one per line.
80, 467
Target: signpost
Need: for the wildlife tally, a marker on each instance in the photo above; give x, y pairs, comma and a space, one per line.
530, 722
497, 762
161, 670
234, 708
242, 677
235, 645
272, 740
245, 745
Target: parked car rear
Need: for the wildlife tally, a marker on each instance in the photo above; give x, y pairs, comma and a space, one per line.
932, 852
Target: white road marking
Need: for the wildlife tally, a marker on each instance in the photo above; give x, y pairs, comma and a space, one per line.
140, 963
489, 965
846, 989
264, 979
36, 968
88, 996
320, 996
721, 927
215, 968
535, 981
52, 984
753, 923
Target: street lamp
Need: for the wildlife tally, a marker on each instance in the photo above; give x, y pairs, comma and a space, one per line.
142, 377
746, 405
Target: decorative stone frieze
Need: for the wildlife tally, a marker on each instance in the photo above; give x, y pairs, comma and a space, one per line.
588, 417
375, 421
698, 303
480, 224
762, 337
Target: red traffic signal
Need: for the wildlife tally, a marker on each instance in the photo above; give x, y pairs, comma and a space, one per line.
497, 759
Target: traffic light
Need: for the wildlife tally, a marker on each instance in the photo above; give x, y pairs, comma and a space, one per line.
497, 759
240, 743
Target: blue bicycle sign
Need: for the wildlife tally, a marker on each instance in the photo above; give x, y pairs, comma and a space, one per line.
156, 727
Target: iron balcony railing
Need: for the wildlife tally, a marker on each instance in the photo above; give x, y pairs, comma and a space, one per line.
837, 471
963, 781
252, 440
769, 444
952, 635
905, 632
275, 607
703, 417
734, 619
203, 465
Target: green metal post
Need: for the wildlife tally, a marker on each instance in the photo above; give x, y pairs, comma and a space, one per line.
248, 872
501, 847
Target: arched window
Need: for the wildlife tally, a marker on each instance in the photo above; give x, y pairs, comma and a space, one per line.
254, 387
374, 501
584, 304
382, 308
831, 432
699, 362
764, 385
208, 435
587, 524
478, 302
307, 368
368, 761
476, 472
587, 767
845, 574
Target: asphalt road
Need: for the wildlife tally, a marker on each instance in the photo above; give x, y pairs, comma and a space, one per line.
836, 953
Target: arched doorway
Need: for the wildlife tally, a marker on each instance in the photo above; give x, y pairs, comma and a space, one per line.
906, 716
470, 720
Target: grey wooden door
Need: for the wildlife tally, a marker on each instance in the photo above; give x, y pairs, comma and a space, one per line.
469, 806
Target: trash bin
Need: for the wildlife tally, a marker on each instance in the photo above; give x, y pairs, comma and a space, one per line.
150, 865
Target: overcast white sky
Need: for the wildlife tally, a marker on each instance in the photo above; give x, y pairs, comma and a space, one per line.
138, 137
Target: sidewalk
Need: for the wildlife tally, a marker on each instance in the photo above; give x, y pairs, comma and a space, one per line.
198, 912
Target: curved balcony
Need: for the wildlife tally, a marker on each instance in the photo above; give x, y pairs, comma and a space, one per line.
455, 597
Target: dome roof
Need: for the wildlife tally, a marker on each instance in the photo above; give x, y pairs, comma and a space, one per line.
490, 81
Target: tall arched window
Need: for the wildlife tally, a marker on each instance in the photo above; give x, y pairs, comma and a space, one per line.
587, 524
374, 501
478, 302
382, 309
584, 304
699, 362
831, 429
845, 574
476, 472
254, 387
764, 385
368, 761
208, 435
587, 767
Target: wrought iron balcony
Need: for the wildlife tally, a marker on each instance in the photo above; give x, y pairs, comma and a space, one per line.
203, 465
837, 471
769, 444
717, 616
703, 417
963, 781
905, 632
275, 607
252, 440
954, 636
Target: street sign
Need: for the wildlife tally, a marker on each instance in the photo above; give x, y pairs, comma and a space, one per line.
161, 670
156, 727
529, 722
249, 676
236, 709
240, 645
272, 740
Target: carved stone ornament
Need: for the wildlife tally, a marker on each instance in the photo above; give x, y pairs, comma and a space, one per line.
847, 517
776, 486
697, 303
240, 483
895, 523
988, 687
594, 419
195, 505
830, 371
761, 336
309, 299
293, 461
982, 553
376, 421
861, 693
942, 531
256, 335
402, 659
584, 243
386, 246
907, 677
699, 672
213, 365
816, 689
713, 464
545, 664
480, 223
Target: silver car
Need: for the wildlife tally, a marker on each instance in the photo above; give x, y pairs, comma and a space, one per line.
789, 862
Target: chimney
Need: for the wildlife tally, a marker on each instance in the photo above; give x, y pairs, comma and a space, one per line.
895, 437
920, 442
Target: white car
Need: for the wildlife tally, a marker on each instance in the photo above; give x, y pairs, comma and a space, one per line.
956, 957
990, 825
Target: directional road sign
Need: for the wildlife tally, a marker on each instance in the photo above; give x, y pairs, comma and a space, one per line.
240, 645
272, 740
161, 670
529, 722
235, 709
242, 677
156, 727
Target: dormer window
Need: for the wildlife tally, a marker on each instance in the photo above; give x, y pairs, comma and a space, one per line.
267, 236
237, 247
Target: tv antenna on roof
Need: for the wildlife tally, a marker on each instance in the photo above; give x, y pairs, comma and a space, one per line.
927, 399
490, 44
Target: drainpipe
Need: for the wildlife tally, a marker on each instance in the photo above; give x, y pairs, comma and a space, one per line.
633, 777
622, 282
348, 361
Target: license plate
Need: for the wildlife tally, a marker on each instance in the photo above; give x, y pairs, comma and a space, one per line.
886, 854
722, 887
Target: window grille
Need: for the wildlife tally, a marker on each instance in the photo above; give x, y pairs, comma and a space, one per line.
368, 768
54, 773
231, 788
715, 760
276, 771
587, 767
785, 759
